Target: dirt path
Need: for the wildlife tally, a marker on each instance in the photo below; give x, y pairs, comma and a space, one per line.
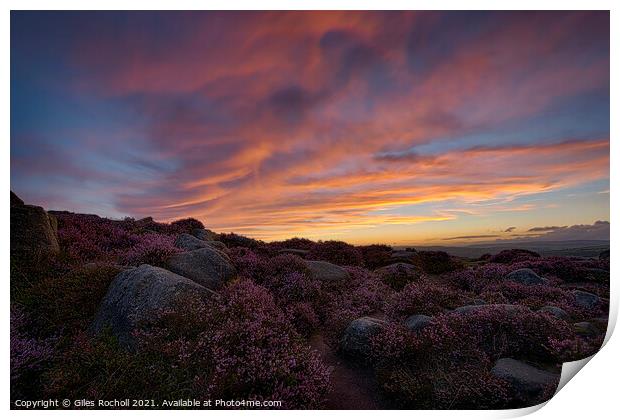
353, 387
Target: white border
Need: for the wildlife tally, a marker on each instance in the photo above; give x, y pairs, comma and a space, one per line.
593, 395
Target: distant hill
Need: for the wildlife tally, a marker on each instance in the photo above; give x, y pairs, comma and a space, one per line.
578, 248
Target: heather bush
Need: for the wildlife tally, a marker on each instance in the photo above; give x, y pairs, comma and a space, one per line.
415, 374
336, 252
29, 356
233, 240
576, 348
363, 295
426, 299
98, 368
293, 243
151, 248
565, 268
67, 303
436, 262
399, 275
240, 347
509, 256
534, 296
516, 332
187, 225
375, 256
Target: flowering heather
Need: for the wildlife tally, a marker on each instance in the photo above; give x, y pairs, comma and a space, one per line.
413, 373
576, 348
375, 256
500, 332
567, 269
425, 299
151, 248
243, 346
86, 238
534, 296
364, 295
233, 240
436, 262
294, 243
29, 355
336, 252
509, 256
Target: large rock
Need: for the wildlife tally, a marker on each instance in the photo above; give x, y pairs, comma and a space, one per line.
356, 340
528, 381
604, 255
417, 323
207, 266
525, 276
204, 234
556, 312
327, 272
586, 329
136, 295
188, 242
34, 232
586, 300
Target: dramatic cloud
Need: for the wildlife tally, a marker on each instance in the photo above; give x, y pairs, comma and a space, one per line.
597, 231
510, 229
322, 124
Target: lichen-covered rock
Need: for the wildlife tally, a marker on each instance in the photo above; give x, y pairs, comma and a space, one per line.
217, 245
206, 266
525, 276
417, 323
586, 329
326, 272
586, 300
204, 234
356, 340
528, 381
188, 242
33, 231
556, 312
135, 296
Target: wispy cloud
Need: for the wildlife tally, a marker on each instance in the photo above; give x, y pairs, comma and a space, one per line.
275, 124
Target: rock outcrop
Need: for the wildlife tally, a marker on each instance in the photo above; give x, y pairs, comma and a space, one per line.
356, 340
327, 272
417, 323
204, 234
136, 295
528, 382
586, 300
34, 232
556, 312
206, 266
525, 276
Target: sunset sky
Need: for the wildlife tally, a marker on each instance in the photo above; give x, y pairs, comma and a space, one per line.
391, 127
